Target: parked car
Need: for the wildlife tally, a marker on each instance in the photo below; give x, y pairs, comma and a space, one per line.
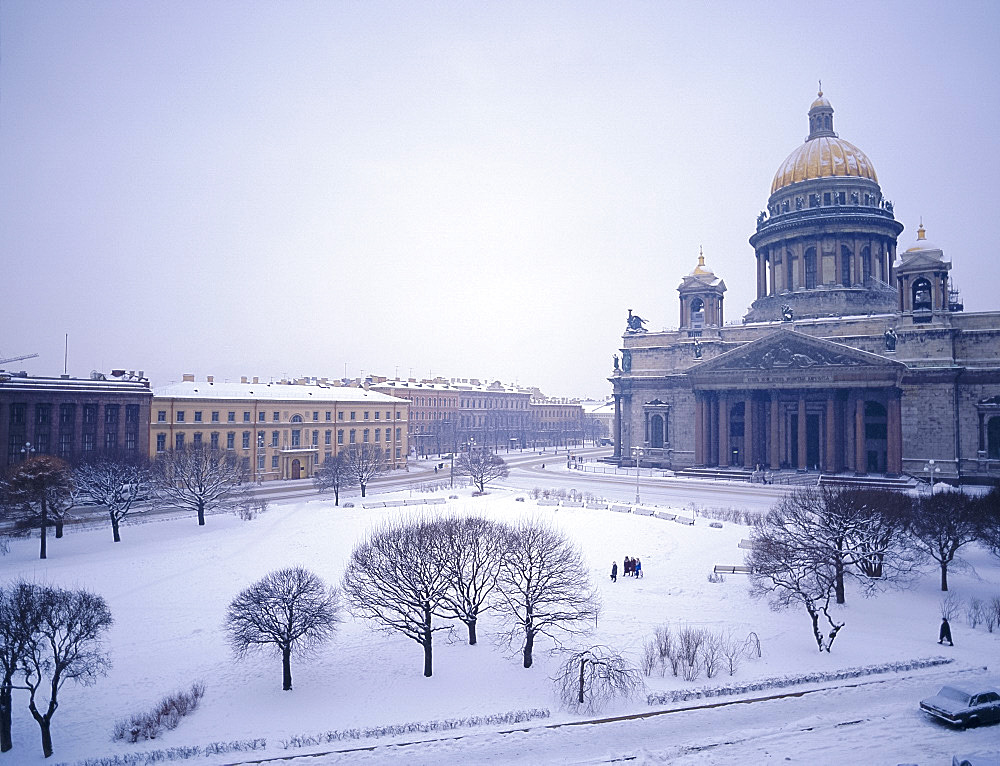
980, 758
963, 708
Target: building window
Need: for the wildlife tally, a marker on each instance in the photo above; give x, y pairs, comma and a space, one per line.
376, 414
274, 462
366, 415
89, 414
353, 415
388, 434
260, 461
328, 437
377, 434
179, 441
231, 440
231, 417
67, 414
315, 439
111, 414
315, 416
132, 413
197, 439
296, 437
296, 418
89, 442
197, 416
65, 445
340, 436
261, 416
245, 463
328, 416
810, 268
17, 414
161, 442
180, 416
388, 415
246, 416
275, 435
276, 416
845, 266
365, 436
399, 453
214, 440
340, 416
353, 436
246, 440
215, 416
161, 416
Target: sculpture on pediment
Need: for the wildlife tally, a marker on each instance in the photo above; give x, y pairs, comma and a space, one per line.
697, 349
785, 356
635, 322
890, 339
616, 362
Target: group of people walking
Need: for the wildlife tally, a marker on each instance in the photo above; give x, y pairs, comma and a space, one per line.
630, 568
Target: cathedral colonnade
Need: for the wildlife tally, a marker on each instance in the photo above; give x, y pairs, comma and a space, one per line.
830, 430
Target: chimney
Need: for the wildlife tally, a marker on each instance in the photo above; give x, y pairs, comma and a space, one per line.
210, 378
255, 379
188, 377
243, 379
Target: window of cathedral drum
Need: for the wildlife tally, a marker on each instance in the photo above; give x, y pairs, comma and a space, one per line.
810, 268
826, 198
697, 313
866, 263
921, 295
845, 265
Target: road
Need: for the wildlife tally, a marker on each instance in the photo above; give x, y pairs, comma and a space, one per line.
868, 722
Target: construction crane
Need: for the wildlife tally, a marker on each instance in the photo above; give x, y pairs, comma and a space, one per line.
4, 360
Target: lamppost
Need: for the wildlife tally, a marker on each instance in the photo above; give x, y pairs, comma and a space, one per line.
638, 455
27, 450
930, 469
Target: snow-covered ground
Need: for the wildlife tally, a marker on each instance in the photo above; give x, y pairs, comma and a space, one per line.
168, 584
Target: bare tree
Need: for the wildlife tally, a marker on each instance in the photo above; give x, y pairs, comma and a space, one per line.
199, 479
365, 462
18, 629
989, 513
590, 678
471, 550
690, 642
543, 586
335, 474
482, 466
790, 570
396, 580
69, 629
38, 492
941, 525
115, 483
289, 609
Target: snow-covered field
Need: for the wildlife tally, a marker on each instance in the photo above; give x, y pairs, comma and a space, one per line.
168, 584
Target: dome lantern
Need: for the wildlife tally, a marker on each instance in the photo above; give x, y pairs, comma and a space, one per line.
820, 117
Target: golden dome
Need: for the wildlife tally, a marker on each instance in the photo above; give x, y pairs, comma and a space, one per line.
701, 269
823, 157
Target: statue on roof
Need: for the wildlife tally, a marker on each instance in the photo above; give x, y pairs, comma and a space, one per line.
635, 322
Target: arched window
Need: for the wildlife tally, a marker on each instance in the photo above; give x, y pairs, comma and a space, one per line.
810, 268
656, 431
697, 313
921, 295
296, 418
866, 263
845, 265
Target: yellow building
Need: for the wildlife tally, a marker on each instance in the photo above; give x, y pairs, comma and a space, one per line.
281, 430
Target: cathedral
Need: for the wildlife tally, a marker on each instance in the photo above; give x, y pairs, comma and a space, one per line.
856, 358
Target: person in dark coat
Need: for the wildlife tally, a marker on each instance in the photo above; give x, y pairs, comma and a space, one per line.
945, 634
614, 571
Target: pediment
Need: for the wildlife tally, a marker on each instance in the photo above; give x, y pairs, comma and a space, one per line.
928, 259
791, 351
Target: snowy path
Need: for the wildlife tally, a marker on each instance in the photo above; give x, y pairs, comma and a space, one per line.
869, 722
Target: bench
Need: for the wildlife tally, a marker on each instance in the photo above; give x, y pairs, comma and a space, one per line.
746, 545
643, 511
572, 504
726, 569
621, 508
689, 520
598, 506
548, 502
665, 515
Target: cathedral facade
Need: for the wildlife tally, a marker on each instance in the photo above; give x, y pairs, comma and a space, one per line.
856, 357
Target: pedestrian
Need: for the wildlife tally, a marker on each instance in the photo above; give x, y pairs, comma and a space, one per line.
638, 568
614, 571
945, 634
625, 568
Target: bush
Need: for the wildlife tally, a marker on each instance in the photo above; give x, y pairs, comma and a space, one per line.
250, 508
165, 716
713, 577
974, 611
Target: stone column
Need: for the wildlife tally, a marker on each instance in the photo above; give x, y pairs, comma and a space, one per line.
699, 429
618, 426
723, 429
682, 324
894, 456
860, 458
800, 458
775, 456
770, 263
829, 459
712, 429
749, 453
761, 278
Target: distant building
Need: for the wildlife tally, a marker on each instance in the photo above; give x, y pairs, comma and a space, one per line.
75, 419
434, 412
280, 430
598, 419
556, 422
854, 358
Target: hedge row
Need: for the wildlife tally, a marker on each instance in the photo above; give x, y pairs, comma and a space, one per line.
174, 753
763, 684
448, 724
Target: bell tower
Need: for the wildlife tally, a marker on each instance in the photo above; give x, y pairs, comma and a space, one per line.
701, 295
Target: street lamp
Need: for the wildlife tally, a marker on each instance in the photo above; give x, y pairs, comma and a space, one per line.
930, 469
638, 455
27, 450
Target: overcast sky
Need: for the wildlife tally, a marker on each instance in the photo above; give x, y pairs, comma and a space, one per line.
466, 189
